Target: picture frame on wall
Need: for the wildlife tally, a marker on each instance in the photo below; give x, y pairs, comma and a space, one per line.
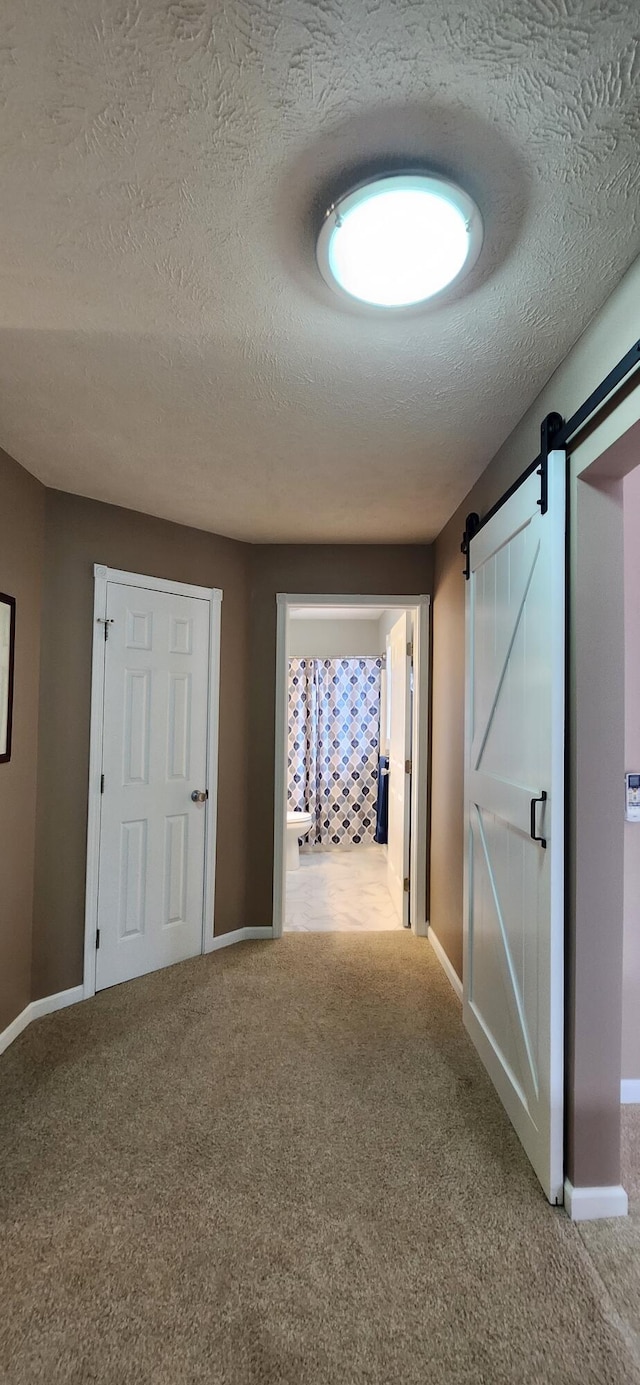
7, 663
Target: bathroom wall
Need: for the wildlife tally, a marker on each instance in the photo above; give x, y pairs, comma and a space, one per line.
333, 639
386, 622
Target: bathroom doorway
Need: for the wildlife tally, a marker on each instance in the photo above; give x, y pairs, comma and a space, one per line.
351, 764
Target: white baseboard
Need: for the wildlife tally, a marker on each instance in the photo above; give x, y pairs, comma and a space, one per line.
14, 1029
36, 1010
239, 935
447, 968
630, 1091
49, 1003
590, 1204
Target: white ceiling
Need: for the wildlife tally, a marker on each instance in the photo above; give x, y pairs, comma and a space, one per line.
166, 342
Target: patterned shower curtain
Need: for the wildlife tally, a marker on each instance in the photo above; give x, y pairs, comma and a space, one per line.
334, 729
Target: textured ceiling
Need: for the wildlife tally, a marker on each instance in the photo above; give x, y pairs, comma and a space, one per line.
166, 342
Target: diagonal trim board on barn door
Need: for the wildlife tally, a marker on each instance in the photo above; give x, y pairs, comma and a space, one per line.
514, 812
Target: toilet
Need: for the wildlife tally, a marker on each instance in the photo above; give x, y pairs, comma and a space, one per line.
298, 825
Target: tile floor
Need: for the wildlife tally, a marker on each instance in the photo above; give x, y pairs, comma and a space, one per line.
340, 892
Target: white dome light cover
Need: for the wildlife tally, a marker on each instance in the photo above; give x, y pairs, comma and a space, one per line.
398, 240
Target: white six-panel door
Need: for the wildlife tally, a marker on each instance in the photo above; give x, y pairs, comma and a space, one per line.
514, 756
399, 695
152, 834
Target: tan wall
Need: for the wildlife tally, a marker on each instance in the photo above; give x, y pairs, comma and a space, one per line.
309, 570
21, 556
445, 914
80, 533
631, 967
594, 943
333, 639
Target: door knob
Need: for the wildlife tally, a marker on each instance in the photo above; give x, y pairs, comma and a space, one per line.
200, 795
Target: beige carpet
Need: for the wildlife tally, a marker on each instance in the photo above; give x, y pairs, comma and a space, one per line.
282, 1165
614, 1245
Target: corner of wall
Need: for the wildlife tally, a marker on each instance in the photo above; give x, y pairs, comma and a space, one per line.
21, 546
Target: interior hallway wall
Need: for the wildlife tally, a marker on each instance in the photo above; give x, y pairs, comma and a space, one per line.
594, 943
311, 570
79, 533
22, 501
447, 747
631, 953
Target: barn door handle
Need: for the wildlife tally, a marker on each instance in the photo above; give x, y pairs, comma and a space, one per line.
532, 828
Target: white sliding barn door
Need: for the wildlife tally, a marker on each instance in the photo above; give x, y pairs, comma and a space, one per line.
152, 834
399, 695
514, 796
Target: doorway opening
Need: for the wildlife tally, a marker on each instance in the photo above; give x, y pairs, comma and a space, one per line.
152, 776
351, 763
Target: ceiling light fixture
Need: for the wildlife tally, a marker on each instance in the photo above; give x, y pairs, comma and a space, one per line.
399, 240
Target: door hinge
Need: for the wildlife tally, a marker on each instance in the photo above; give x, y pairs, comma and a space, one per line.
407, 767
410, 649
406, 884
97, 938
102, 783
102, 620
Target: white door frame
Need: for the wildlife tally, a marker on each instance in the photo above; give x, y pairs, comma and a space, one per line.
399, 695
420, 607
103, 575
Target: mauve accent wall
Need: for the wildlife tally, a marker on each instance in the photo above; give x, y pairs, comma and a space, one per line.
79, 533
22, 501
